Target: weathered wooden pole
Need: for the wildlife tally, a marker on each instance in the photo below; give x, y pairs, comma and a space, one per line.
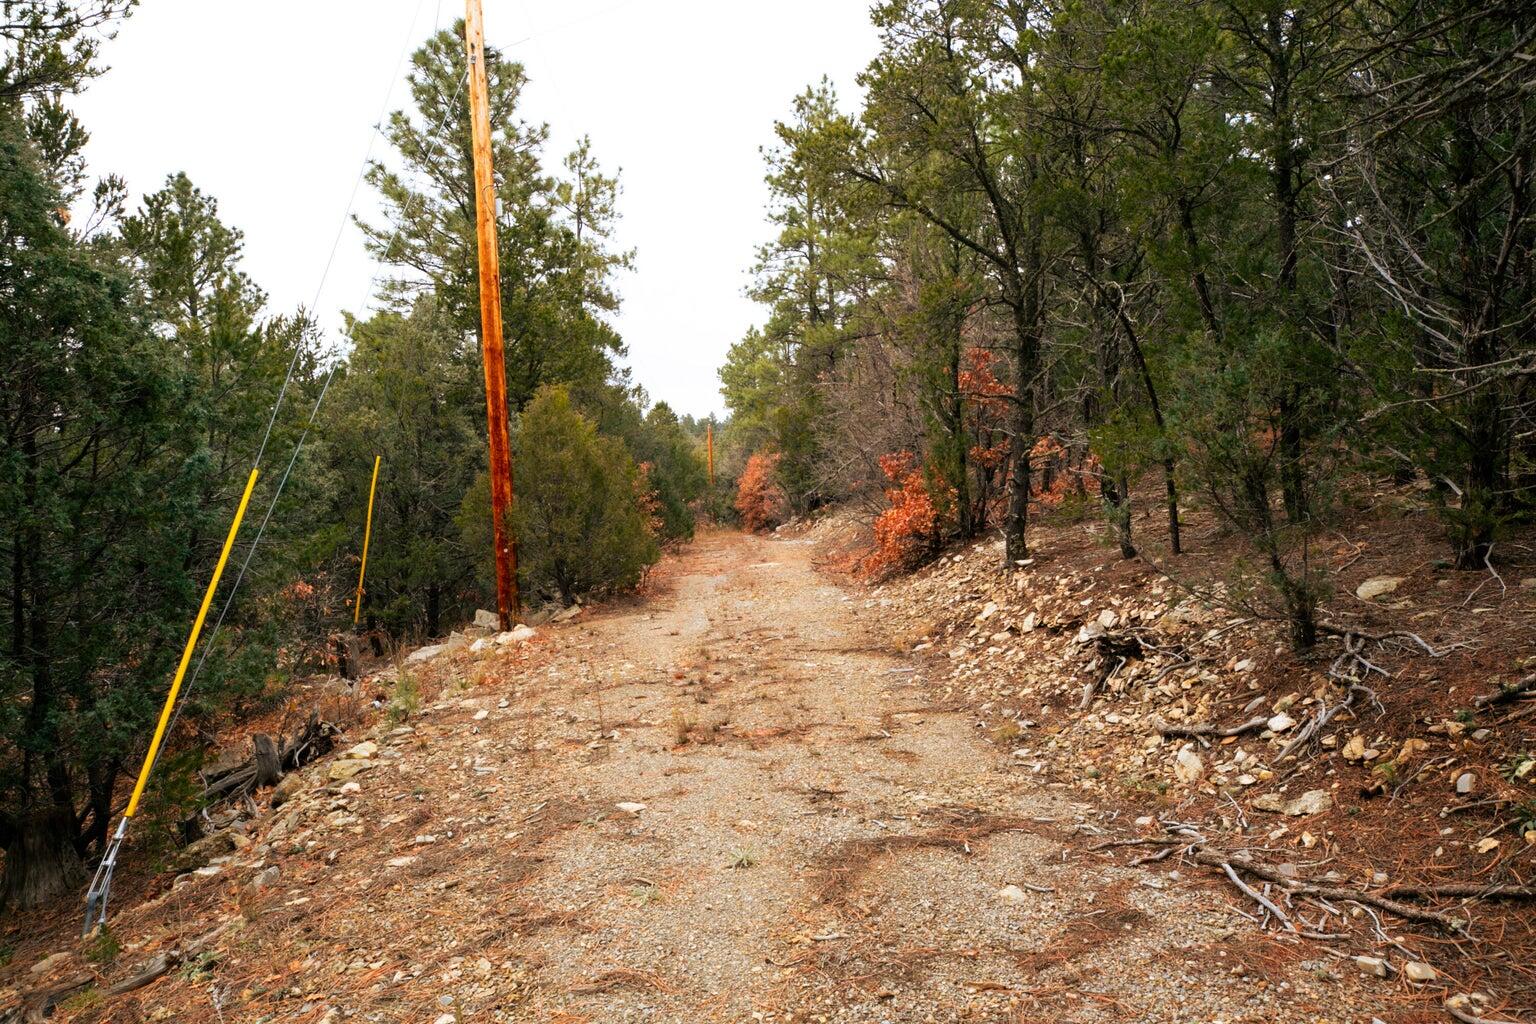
490, 317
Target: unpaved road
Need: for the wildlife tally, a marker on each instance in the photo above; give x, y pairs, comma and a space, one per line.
818, 842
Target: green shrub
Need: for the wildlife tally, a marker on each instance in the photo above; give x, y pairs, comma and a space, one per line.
579, 506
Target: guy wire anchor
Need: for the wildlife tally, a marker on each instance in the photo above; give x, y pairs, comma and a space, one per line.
101, 884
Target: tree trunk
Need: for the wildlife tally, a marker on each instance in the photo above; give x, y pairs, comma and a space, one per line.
41, 864
343, 659
1023, 301
434, 608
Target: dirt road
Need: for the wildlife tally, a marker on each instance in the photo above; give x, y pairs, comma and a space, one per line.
817, 842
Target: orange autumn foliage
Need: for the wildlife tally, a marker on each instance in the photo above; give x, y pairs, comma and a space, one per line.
912, 525
759, 498
1050, 461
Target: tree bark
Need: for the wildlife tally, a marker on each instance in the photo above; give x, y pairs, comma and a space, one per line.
269, 769
41, 863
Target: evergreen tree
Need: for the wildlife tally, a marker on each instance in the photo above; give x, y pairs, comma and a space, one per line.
556, 266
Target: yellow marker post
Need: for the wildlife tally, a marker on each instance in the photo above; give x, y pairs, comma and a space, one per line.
186, 655
357, 606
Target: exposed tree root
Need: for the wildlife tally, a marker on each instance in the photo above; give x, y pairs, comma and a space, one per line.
1204, 730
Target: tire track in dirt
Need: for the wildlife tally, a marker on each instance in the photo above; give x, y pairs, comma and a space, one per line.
819, 843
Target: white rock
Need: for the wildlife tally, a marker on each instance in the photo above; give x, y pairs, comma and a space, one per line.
401, 862
1011, 894
1188, 766
425, 654
482, 715
46, 965
1418, 973
1377, 586
987, 612
631, 808
363, 751
1373, 965
517, 635
487, 620
1313, 801
1465, 783
1280, 723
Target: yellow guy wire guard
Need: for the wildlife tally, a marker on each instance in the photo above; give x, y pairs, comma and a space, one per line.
357, 606
186, 655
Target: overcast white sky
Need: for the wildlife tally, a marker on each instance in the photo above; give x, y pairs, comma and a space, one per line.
270, 107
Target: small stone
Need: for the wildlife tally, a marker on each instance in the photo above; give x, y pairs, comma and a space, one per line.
46, 965
1378, 586
363, 751
1419, 973
425, 654
1280, 723
630, 808
517, 635
482, 715
1354, 750
1373, 966
1188, 767
1313, 801
987, 612
1011, 894
1466, 782
487, 620
265, 877
291, 786
1487, 845
341, 771
401, 862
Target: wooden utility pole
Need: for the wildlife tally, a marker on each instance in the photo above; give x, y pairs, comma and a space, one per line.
490, 317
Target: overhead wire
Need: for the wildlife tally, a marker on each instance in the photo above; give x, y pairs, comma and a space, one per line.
99, 891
